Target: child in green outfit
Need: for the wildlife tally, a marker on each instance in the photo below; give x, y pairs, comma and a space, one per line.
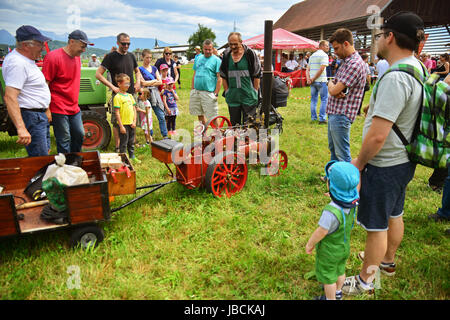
332, 238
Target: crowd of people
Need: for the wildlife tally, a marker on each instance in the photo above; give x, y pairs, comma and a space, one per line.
375, 180
333, 62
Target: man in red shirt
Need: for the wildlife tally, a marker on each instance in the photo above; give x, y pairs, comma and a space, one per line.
62, 71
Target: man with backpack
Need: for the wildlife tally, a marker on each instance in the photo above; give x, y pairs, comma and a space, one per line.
383, 160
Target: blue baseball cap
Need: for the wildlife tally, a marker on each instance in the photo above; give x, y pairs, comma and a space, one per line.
81, 36
25, 33
344, 179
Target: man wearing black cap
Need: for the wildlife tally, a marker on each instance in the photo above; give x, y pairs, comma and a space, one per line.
383, 161
62, 71
26, 93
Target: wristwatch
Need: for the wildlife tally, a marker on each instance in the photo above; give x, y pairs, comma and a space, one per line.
216, 94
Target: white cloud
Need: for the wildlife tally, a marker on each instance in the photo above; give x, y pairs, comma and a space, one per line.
168, 20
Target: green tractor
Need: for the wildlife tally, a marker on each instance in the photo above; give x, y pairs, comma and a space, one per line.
93, 105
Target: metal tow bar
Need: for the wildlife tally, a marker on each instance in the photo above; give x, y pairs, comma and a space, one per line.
154, 186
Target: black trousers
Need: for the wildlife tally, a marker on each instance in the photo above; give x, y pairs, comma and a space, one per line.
127, 140
171, 123
239, 115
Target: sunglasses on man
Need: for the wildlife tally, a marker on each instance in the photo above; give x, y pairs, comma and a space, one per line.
168, 53
125, 44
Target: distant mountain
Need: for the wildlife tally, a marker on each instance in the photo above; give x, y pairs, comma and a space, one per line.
7, 38
54, 36
104, 43
56, 44
142, 43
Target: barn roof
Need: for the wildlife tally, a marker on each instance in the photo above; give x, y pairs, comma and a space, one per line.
315, 13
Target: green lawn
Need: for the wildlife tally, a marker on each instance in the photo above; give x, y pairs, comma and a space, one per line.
185, 244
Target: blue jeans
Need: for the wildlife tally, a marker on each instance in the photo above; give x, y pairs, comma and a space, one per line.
69, 132
161, 119
316, 89
339, 137
445, 210
39, 129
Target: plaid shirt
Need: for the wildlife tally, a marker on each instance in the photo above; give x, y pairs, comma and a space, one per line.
352, 74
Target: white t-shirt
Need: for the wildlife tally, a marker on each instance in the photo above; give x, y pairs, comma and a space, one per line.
291, 64
318, 59
21, 73
382, 66
303, 63
398, 100
94, 64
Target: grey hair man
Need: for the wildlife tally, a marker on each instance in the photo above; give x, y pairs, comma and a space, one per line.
27, 96
62, 71
241, 74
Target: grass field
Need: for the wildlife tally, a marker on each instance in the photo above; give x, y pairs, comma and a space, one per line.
185, 244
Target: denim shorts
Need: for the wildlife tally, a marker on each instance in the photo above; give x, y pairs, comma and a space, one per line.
382, 194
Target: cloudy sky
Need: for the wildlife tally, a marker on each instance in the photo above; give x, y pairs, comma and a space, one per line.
172, 21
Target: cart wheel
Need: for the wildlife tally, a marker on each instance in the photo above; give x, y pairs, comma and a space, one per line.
278, 162
227, 173
87, 236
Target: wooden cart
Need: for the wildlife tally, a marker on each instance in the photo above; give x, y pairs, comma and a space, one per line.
87, 204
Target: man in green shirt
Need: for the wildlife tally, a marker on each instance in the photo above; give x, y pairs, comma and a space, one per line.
241, 74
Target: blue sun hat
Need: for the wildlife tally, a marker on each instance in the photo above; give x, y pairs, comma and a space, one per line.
343, 178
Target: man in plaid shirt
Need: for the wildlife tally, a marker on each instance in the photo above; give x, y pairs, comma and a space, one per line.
346, 93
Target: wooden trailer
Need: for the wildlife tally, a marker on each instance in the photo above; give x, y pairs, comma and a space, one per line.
87, 204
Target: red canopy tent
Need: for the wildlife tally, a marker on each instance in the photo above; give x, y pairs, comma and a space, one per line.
284, 40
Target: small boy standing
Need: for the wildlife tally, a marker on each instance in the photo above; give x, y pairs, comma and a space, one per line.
124, 108
332, 238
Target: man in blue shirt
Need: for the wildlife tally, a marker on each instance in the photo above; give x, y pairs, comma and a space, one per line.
206, 84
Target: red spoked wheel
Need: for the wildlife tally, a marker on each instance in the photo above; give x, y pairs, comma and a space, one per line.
215, 125
226, 174
278, 162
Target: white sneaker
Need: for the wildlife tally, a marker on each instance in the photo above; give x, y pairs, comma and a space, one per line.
353, 287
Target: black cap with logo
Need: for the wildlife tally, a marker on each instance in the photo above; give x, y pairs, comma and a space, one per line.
407, 23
